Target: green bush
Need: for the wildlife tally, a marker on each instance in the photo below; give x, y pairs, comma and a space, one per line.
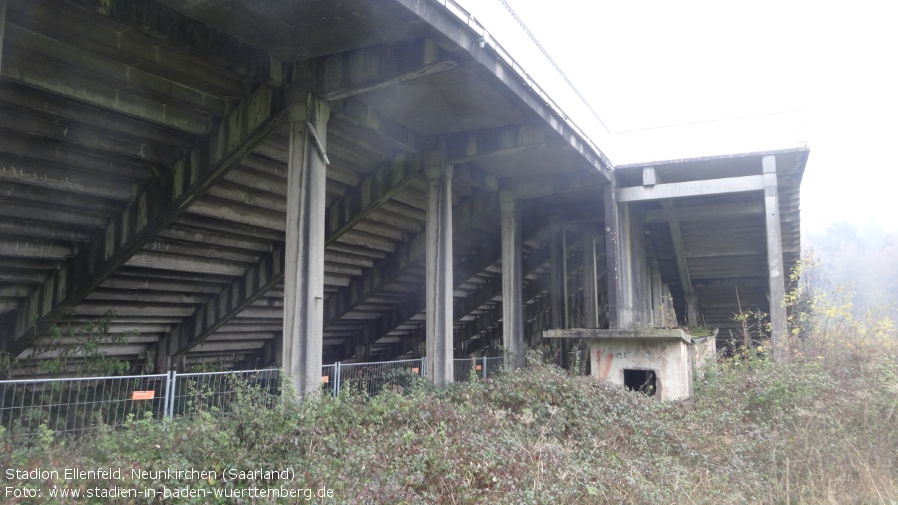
818, 427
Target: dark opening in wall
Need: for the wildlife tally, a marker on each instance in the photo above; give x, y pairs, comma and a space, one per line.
643, 381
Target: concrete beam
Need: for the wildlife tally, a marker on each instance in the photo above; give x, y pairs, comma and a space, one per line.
45, 77
676, 237
692, 188
102, 69
707, 212
49, 175
22, 248
646, 334
498, 69
374, 191
193, 43
731, 282
533, 187
358, 71
154, 209
472, 145
439, 278
358, 114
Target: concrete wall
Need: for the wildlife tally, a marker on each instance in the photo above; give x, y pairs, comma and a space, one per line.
703, 353
669, 359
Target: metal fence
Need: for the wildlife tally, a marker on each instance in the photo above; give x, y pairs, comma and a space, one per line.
72, 407
216, 391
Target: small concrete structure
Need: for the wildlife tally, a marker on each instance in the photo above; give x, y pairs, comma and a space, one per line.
658, 362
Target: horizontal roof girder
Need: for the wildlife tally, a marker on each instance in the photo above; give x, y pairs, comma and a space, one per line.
357, 71
359, 114
471, 145
692, 188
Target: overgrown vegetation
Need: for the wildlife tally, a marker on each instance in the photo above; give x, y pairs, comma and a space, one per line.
77, 349
821, 426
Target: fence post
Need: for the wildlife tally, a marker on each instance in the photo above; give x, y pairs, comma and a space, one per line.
423, 367
166, 399
484, 367
336, 379
173, 381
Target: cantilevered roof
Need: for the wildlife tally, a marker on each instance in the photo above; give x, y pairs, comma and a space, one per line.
721, 239
143, 163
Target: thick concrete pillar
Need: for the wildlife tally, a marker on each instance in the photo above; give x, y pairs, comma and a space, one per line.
590, 277
627, 286
639, 267
776, 276
557, 291
304, 267
556, 271
657, 292
693, 320
629, 298
512, 304
439, 273
613, 258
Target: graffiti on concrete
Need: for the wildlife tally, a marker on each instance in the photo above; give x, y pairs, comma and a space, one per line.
603, 361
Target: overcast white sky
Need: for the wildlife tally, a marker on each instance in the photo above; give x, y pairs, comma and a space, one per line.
649, 64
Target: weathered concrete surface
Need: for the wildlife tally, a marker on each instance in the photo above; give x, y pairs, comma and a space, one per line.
440, 365
151, 180
669, 360
512, 305
667, 353
304, 267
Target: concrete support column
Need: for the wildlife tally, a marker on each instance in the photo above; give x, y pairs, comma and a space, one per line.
590, 277
629, 298
439, 273
639, 267
777, 281
657, 292
512, 304
304, 267
556, 271
627, 280
692, 311
613, 259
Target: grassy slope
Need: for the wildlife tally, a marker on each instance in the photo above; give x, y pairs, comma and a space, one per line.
543, 436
